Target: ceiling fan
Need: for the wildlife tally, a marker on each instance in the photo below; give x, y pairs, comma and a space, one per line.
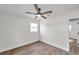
39, 13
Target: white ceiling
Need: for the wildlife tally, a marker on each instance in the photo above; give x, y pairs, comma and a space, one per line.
20, 9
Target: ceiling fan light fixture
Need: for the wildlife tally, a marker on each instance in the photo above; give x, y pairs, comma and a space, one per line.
38, 15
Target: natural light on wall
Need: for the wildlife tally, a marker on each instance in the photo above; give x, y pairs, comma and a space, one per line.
70, 28
34, 27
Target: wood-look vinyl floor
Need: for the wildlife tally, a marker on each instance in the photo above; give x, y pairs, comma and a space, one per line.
36, 48
74, 49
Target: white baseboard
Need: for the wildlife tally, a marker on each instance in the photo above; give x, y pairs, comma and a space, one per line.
13, 47
29, 43
55, 45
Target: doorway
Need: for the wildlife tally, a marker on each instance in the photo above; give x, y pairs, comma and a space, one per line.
73, 35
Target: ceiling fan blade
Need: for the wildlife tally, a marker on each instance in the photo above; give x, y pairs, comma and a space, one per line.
31, 13
36, 6
36, 17
37, 9
44, 17
47, 12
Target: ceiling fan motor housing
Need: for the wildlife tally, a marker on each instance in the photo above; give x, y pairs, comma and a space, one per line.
39, 9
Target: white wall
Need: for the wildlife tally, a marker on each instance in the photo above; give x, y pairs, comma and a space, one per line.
56, 30
74, 29
15, 31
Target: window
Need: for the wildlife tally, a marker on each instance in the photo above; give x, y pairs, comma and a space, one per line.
34, 27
